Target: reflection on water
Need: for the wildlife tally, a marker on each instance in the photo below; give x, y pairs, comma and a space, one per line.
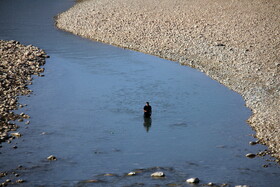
147, 123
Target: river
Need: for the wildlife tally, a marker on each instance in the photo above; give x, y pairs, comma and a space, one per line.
88, 111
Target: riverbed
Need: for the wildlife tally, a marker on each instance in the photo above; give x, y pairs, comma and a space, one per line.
87, 111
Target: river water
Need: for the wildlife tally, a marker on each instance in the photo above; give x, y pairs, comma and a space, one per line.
87, 111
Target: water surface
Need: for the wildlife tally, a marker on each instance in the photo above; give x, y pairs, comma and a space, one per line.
87, 111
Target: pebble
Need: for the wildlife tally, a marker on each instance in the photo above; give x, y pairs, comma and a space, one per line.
250, 155
193, 180
52, 157
158, 174
16, 134
20, 181
253, 143
131, 173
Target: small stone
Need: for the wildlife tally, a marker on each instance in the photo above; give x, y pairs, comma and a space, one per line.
8, 180
25, 116
250, 155
16, 175
253, 143
27, 122
193, 180
51, 157
210, 184
92, 181
131, 173
15, 147
3, 174
16, 134
158, 174
242, 186
109, 174
20, 181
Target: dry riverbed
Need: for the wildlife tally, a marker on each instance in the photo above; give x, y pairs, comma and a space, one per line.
17, 65
236, 43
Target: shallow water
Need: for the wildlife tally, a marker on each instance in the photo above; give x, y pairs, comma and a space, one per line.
87, 111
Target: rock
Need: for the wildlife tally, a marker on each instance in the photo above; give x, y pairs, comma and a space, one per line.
51, 157
193, 180
131, 173
20, 181
16, 134
92, 181
253, 143
158, 174
250, 155
109, 174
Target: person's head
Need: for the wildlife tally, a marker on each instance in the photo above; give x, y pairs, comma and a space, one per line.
147, 103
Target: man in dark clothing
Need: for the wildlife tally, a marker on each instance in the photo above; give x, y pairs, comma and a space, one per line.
147, 110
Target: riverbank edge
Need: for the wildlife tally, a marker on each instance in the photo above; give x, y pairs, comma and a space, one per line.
18, 63
264, 106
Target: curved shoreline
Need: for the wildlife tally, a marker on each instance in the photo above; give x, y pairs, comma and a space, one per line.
235, 43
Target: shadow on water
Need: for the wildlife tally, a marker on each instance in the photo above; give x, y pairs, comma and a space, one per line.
87, 111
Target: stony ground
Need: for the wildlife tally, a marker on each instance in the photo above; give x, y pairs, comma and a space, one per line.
17, 65
235, 42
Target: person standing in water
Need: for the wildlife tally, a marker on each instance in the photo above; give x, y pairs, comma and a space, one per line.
147, 110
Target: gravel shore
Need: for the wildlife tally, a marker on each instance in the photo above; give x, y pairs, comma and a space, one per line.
234, 42
17, 65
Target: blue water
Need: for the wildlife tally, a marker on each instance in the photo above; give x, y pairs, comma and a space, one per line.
88, 111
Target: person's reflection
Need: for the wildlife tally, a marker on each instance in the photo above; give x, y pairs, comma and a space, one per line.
147, 123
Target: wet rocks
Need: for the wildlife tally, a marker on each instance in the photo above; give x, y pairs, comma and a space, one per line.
17, 64
212, 37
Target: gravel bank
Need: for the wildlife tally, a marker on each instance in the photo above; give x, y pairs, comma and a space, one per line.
236, 43
17, 65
